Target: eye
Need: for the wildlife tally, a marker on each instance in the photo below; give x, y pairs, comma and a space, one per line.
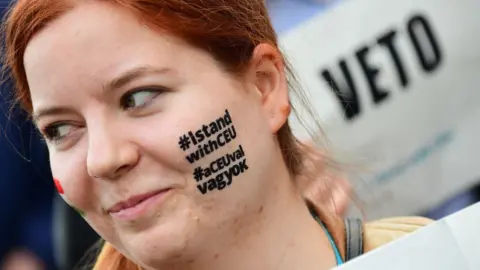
139, 98
57, 132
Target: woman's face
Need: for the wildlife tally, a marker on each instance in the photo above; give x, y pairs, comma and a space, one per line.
148, 137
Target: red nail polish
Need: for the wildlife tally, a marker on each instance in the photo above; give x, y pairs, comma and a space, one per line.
58, 186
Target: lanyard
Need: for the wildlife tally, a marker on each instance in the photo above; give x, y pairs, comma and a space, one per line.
338, 257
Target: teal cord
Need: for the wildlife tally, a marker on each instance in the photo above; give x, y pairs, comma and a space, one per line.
330, 238
332, 243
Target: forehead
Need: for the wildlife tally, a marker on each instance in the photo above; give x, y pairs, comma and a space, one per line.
92, 44
92, 27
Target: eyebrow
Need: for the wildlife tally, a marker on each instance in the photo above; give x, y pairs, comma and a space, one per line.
49, 111
132, 74
118, 82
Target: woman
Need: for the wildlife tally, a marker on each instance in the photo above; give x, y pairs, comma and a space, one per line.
166, 123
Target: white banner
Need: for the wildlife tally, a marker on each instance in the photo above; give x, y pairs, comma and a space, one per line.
452, 243
407, 74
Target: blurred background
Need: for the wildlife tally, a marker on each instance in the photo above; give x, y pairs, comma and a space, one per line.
394, 83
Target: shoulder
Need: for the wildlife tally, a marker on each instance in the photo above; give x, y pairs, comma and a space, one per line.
379, 232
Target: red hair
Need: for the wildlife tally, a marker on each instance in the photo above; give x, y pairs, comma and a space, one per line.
227, 29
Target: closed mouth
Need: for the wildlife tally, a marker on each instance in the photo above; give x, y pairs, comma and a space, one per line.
133, 201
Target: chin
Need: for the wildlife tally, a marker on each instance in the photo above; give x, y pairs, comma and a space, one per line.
163, 244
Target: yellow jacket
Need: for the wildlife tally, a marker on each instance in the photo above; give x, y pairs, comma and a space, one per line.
380, 232
374, 234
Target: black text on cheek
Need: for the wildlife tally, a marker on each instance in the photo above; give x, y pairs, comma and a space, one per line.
208, 138
221, 172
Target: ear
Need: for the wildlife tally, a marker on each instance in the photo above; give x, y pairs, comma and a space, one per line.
267, 74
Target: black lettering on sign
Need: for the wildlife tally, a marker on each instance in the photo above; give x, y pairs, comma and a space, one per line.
422, 37
371, 73
427, 50
227, 167
345, 94
388, 41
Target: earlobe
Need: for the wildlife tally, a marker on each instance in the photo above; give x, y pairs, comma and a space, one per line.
268, 72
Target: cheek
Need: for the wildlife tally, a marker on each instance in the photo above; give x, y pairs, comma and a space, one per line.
79, 191
186, 130
218, 149
70, 179
161, 142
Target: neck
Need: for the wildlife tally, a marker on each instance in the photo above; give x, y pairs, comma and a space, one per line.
283, 236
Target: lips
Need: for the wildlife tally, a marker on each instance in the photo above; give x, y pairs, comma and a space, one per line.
134, 201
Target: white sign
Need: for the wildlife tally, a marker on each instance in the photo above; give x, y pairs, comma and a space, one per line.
451, 243
410, 73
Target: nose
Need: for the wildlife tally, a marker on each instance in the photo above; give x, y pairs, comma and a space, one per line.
110, 153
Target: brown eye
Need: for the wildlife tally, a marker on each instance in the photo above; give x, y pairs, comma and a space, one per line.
138, 99
57, 132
